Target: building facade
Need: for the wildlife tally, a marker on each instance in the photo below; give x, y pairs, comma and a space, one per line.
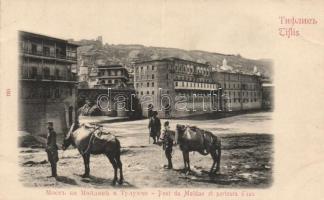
175, 87
191, 88
112, 76
47, 83
240, 91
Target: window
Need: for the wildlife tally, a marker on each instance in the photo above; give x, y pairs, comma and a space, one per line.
152, 92
152, 68
153, 75
57, 92
141, 92
147, 84
147, 92
137, 85
46, 51
46, 73
152, 84
57, 73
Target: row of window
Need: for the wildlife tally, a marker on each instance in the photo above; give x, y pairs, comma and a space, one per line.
238, 94
147, 92
109, 81
183, 68
46, 73
142, 77
148, 84
235, 77
194, 85
193, 79
45, 92
144, 68
240, 86
110, 73
237, 100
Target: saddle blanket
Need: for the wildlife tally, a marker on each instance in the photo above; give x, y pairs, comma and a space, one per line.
103, 135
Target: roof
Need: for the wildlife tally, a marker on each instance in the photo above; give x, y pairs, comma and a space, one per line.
110, 66
170, 59
25, 33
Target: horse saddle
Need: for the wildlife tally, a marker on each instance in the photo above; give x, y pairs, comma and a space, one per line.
103, 135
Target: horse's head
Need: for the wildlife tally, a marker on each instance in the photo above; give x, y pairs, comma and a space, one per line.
68, 137
180, 131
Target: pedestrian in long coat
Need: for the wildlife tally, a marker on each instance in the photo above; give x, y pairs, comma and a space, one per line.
154, 127
51, 148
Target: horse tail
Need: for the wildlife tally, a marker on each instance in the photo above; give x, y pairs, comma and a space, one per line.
219, 149
118, 146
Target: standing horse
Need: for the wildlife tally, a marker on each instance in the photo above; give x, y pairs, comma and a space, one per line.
192, 138
83, 138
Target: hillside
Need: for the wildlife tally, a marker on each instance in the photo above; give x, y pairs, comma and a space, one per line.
127, 54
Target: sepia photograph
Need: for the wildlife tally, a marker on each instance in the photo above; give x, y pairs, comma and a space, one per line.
142, 116
161, 100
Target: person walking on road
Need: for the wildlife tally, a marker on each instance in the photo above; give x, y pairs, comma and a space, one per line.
51, 148
154, 127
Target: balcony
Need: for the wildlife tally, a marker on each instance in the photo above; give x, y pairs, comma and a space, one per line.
183, 85
47, 54
39, 77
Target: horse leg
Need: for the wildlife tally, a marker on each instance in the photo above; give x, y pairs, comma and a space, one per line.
120, 166
114, 164
187, 161
184, 161
213, 165
86, 160
219, 152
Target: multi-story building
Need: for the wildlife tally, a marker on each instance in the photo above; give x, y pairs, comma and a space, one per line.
112, 76
240, 91
47, 82
197, 87
175, 87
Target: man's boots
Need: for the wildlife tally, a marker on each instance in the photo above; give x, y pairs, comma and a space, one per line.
53, 166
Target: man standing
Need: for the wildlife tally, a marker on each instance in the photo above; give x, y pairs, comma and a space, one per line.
51, 148
167, 138
154, 127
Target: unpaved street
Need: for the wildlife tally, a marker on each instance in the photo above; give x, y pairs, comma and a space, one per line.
247, 150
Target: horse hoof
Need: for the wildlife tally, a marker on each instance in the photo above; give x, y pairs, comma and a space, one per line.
85, 176
121, 181
114, 182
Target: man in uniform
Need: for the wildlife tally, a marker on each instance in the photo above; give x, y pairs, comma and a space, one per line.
51, 148
154, 127
167, 138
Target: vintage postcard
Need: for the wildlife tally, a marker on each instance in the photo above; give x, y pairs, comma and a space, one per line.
162, 99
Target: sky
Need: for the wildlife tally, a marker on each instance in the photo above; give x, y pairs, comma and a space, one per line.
215, 26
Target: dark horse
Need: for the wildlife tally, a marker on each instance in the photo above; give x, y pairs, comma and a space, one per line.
192, 138
83, 138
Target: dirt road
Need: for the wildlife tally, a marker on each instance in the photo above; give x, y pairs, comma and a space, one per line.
247, 150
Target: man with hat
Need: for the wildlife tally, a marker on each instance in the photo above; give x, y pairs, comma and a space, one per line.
154, 127
51, 148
